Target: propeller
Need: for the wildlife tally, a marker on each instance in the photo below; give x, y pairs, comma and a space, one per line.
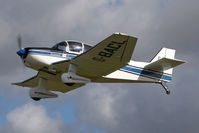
22, 51
19, 41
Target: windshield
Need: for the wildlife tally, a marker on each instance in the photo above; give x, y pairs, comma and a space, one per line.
75, 46
60, 46
86, 47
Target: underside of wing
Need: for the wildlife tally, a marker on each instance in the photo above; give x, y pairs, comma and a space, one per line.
54, 83
107, 56
31, 82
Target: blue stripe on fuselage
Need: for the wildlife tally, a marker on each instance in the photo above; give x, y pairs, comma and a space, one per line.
40, 52
52, 53
146, 73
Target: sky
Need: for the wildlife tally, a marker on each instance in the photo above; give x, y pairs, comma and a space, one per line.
101, 108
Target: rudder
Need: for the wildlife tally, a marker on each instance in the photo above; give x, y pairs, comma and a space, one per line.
164, 53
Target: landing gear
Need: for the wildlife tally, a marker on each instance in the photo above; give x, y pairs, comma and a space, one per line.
165, 88
70, 78
40, 91
69, 84
36, 99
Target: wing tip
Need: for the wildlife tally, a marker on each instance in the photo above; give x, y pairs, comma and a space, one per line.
19, 84
124, 34
119, 33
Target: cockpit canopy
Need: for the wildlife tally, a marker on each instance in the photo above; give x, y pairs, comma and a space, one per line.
71, 47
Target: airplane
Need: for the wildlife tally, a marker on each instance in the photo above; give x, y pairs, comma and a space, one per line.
71, 64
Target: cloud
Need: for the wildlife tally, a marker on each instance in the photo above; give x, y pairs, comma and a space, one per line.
31, 118
117, 107
100, 108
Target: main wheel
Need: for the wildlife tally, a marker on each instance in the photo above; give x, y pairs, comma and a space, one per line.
69, 84
36, 98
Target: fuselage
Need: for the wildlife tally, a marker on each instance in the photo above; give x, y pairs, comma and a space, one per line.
42, 58
38, 58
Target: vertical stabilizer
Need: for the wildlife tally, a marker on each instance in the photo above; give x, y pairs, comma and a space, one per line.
164, 53
164, 62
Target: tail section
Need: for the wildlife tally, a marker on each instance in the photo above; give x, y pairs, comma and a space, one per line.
164, 62
159, 70
164, 53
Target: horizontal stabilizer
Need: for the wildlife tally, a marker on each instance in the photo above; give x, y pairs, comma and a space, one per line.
163, 64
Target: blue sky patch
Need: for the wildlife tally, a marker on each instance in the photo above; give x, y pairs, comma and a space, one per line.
68, 112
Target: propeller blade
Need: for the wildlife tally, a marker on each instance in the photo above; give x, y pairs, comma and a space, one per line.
19, 41
22, 52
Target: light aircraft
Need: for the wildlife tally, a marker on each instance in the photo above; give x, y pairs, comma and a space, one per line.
71, 64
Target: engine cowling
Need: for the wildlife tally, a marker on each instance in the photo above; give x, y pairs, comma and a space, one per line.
37, 94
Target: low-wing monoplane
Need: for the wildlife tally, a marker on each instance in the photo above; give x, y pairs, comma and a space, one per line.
71, 64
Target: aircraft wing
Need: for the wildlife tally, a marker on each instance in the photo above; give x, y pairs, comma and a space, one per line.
107, 56
54, 83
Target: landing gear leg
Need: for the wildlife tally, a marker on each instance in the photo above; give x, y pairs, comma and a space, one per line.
70, 77
40, 91
165, 88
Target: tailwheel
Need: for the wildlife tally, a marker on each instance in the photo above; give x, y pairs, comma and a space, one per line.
165, 88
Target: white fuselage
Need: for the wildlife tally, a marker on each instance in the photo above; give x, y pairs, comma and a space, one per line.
133, 72
37, 59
